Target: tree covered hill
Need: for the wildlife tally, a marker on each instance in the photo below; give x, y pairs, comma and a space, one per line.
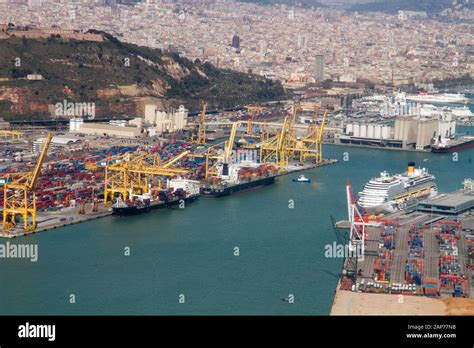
113, 74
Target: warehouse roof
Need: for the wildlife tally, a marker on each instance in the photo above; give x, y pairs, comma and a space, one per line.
450, 203
61, 140
109, 127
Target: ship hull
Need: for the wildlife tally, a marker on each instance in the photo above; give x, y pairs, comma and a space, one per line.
392, 206
380, 209
247, 186
453, 148
136, 210
438, 99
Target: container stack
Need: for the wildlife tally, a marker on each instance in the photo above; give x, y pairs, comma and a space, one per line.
388, 237
346, 284
415, 242
450, 227
448, 244
449, 268
382, 265
64, 181
414, 268
431, 287
469, 241
452, 281
414, 271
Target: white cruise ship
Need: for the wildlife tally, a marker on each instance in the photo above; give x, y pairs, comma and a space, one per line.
445, 98
389, 193
462, 112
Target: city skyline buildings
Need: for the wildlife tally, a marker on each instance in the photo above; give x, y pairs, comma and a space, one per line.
371, 47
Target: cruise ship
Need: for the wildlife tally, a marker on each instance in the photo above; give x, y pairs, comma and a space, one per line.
445, 98
389, 193
462, 112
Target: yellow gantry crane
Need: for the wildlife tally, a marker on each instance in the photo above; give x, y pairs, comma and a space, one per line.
252, 110
311, 145
200, 137
230, 143
213, 156
320, 138
274, 148
305, 147
137, 174
19, 197
12, 134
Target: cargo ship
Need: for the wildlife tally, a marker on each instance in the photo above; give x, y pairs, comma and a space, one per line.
179, 193
389, 193
233, 178
452, 145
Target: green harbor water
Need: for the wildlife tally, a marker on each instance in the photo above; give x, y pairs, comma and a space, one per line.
191, 251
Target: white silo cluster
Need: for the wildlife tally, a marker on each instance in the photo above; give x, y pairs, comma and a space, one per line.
75, 124
404, 109
368, 131
163, 121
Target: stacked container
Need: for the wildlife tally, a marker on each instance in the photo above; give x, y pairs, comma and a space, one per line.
415, 242
388, 237
431, 287
414, 271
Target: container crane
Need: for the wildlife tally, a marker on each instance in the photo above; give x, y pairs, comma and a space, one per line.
200, 138
230, 143
19, 196
253, 110
274, 149
136, 173
13, 134
213, 156
320, 137
312, 145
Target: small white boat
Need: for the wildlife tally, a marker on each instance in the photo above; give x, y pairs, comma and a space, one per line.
302, 178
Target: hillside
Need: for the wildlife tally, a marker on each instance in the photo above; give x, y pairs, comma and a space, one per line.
114, 75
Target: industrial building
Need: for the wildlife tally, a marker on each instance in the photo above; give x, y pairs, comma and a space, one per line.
154, 122
454, 203
107, 130
56, 142
410, 132
162, 121
376, 135
418, 132
4, 124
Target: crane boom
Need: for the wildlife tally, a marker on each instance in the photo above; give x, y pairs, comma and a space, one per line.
321, 130
252, 110
177, 158
282, 134
32, 180
201, 138
230, 143
19, 196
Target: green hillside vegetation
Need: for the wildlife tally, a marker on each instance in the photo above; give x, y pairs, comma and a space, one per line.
85, 67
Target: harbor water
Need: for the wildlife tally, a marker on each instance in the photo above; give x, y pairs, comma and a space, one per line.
250, 253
